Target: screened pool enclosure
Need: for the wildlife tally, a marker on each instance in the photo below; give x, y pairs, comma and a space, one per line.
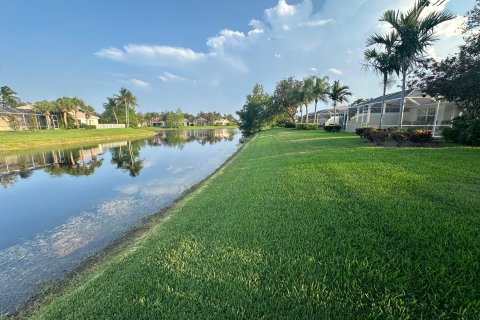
420, 111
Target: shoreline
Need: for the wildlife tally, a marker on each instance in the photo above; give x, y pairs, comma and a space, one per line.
129, 238
20, 143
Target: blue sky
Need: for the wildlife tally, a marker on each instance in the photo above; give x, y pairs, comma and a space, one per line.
196, 55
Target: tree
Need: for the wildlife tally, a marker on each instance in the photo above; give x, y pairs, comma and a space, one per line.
320, 92
474, 17
455, 78
306, 94
128, 101
174, 119
338, 93
384, 63
110, 113
255, 111
65, 105
46, 108
285, 99
12, 122
415, 35
9, 97
77, 104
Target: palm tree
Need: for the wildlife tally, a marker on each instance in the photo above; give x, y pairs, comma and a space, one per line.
320, 92
45, 107
111, 105
338, 93
78, 104
9, 97
384, 63
127, 100
415, 34
64, 105
306, 94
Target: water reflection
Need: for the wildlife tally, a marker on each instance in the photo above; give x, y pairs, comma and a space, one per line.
84, 161
60, 206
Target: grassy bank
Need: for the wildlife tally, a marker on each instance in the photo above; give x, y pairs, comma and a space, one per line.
305, 224
190, 128
22, 140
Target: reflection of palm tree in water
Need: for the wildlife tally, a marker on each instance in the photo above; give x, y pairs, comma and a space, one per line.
128, 158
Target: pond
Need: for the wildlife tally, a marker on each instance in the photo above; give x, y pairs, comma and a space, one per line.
60, 206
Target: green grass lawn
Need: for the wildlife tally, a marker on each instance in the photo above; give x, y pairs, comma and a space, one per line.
24, 140
305, 224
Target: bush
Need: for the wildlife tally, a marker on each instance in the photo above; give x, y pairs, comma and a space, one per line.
332, 128
12, 122
472, 134
290, 125
377, 136
306, 126
451, 134
87, 126
399, 136
363, 132
420, 136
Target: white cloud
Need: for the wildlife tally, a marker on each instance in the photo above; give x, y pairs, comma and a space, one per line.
335, 71
169, 77
136, 83
287, 41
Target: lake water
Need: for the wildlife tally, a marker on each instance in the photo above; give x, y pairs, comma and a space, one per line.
57, 207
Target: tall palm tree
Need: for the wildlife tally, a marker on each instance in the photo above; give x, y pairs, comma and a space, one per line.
338, 93
384, 63
111, 105
416, 32
45, 107
320, 92
306, 94
65, 105
9, 97
127, 100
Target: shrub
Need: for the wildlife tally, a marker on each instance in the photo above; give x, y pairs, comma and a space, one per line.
420, 136
399, 136
451, 134
33, 123
12, 122
87, 126
306, 126
363, 132
332, 128
377, 136
290, 125
472, 134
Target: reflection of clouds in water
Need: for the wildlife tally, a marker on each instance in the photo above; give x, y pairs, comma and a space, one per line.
173, 169
149, 164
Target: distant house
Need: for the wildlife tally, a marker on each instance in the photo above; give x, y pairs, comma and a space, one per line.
201, 121
221, 122
187, 122
84, 118
157, 123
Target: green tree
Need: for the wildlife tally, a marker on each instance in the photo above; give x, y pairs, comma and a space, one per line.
9, 97
128, 101
338, 93
65, 105
111, 111
415, 34
46, 108
255, 111
12, 122
384, 63
286, 98
174, 119
321, 88
306, 94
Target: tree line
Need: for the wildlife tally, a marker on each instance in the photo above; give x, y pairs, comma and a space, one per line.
289, 97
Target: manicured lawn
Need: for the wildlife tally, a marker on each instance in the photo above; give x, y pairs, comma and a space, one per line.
22, 140
305, 225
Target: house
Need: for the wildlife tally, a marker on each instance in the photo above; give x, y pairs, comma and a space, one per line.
420, 111
85, 118
200, 121
25, 116
157, 122
325, 116
220, 122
